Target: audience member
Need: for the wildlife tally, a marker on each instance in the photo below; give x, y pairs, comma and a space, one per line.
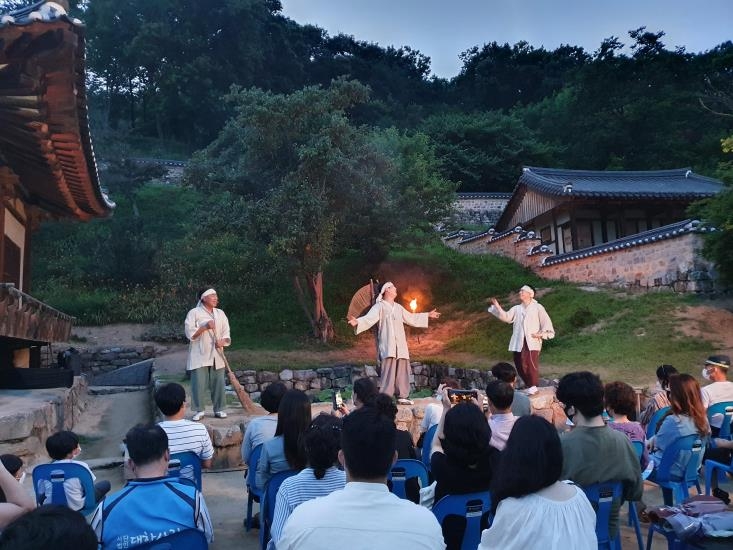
593, 452
687, 417
534, 509
263, 428
283, 452
64, 447
365, 391
363, 515
462, 460
151, 506
620, 405
507, 373
49, 527
433, 411
721, 390
660, 397
501, 420
14, 465
183, 435
321, 442
17, 500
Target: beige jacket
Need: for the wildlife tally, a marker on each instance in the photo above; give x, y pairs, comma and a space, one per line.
202, 351
392, 319
527, 321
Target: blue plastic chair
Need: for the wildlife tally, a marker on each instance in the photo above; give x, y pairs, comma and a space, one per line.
711, 466
427, 443
187, 539
651, 428
186, 466
719, 408
601, 496
253, 493
473, 507
267, 504
677, 490
58, 472
404, 469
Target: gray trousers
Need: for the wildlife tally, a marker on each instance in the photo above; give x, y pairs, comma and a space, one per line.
395, 377
207, 377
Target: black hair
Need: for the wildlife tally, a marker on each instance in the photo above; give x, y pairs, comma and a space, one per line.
466, 434
385, 405
12, 463
582, 390
293, 419
663, 374
272, 395
50, 526
146, 443
61, 444
368, 443
531, 460
365, 390
621, 398
501, 394
170, 398
504, 372
321, 442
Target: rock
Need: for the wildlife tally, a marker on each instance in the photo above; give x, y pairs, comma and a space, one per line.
267, 376
286, 374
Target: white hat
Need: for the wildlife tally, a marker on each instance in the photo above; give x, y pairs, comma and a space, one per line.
385, 286
528, 289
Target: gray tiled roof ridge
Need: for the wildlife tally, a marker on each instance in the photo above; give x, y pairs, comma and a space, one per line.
638, 239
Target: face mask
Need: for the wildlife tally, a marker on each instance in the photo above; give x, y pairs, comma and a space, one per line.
705, 374
22, 479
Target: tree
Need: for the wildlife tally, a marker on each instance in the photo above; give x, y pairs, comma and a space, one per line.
317, 183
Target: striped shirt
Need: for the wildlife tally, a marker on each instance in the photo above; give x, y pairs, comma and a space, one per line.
184, 435
298, 489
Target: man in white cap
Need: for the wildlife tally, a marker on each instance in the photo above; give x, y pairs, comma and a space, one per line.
393, 355
207, 329
532, 325
721, 390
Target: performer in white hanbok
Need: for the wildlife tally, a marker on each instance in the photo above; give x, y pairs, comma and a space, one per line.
393, 355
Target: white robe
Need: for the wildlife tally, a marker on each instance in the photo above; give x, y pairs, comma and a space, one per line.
202, 351
392, 319
527, 321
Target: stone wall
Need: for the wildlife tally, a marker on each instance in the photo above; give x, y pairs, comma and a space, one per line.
102, 359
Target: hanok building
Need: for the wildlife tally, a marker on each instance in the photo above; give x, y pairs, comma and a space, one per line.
47, 168
576, 209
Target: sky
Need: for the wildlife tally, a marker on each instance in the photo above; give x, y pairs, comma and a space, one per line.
442, 29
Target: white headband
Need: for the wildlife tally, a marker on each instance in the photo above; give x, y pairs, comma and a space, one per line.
384, 287
208, 292
528, 289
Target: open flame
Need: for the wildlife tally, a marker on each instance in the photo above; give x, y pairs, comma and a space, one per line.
413, 304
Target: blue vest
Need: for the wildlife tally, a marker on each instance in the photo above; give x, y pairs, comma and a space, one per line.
147, 510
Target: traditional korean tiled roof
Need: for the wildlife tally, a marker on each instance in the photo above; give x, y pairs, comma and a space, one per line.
680, 183
44, 127
639, 239
483, 195
474, 236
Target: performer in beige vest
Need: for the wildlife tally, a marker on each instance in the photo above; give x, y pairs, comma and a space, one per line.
393, 355
207, 329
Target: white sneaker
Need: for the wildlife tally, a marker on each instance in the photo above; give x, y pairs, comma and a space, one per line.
198, 416
531, 391
404, 401
220, 414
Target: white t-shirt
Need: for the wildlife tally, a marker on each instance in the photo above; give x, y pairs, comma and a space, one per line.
75, 495
185, 435
717, 392
433, 412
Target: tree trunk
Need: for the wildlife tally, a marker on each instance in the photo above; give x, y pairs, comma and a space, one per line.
324, 326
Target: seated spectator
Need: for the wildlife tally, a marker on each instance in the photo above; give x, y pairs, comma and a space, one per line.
64, 447
321, 442
462, 460
534, 509
620, 404
507, 373
17, 500
364, 515
183, 435
593, 452
501, 420
660, 397
687, 417
53, 527
283, 452
262, 428
403, 442
433, 411
14, 465
365, 391
721, 390
151, 506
